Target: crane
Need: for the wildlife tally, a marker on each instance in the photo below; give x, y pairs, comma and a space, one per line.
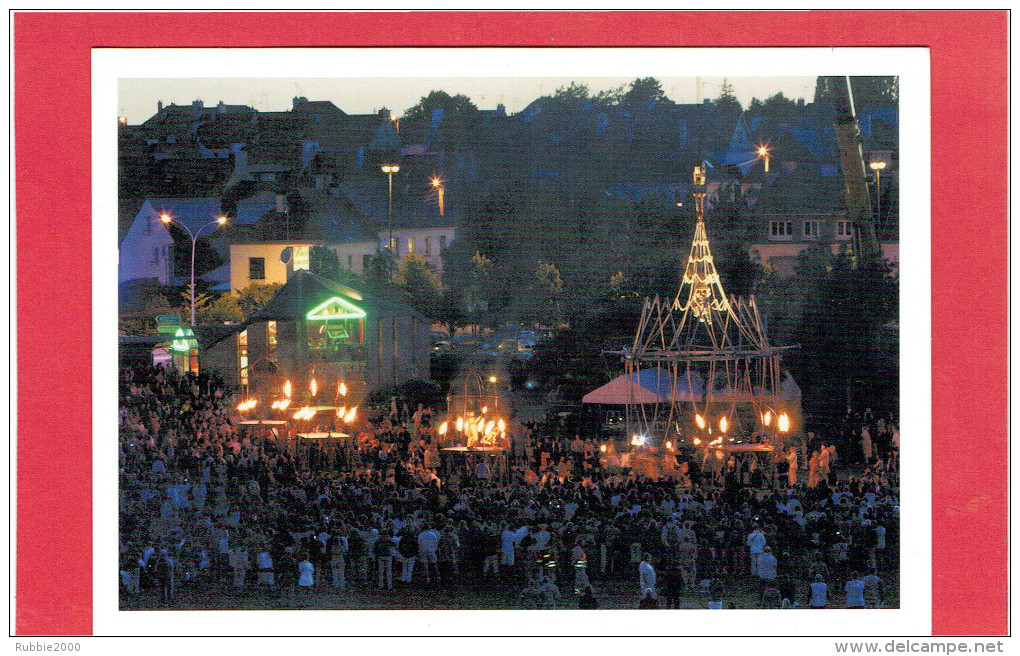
855, 177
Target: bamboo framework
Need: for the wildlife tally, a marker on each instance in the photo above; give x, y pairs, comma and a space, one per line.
712, 354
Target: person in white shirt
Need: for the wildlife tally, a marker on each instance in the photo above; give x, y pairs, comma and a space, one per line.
508, 542
854, 592
756, 542
428, 545
819, 593
306, 573
646, 575
767, 565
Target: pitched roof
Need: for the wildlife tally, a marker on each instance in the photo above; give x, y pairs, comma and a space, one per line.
305, 290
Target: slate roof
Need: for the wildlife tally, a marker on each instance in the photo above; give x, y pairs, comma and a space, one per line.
305, 290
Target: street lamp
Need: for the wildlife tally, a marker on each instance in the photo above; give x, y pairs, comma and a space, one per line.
763, 152
438, 184
167, 220
390, 169
877, 168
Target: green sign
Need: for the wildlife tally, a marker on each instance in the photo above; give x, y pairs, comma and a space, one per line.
168, 318
335, 308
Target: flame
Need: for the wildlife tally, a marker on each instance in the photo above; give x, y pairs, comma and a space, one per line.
284, 403
351, 414
699, 420
340, 412
784, 423
310, 412
489, 426
315, 387
481, 424
286, 389
343, 388
723, 424
669, 445
502, 426
767, 419
697, 441
602, 448
442, 428
460, 424
485, 409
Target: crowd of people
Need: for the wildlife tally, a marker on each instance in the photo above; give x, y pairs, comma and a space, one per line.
208, 507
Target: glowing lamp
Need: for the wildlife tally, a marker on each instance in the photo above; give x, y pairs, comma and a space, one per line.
669, 445
602, 448
784, 423
767, 418
165, 218
492, 379
343, 388
501, 425
442, 428
723, 424
460, 424
697, 441
489, 426
699, 420
287, 389
284, 403
315, 387
485, 409
352, 414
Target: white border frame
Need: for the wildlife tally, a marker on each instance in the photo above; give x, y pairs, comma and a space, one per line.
910, 64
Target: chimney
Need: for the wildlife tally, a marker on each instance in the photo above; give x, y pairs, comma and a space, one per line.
198, 104
297, 101
221, 108
159, 106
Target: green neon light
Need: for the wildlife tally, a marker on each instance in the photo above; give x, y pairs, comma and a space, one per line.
335, 308
184, 340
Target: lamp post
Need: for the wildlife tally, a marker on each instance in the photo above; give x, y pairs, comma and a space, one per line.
763, 152
877, 168
389, 170
438, 184
167, 220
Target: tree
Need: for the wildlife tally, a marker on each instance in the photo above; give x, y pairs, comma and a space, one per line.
451, 105
726, 100
476, 297
420, 285
548, 288
254, 296
222, 310
645, 90
324, 262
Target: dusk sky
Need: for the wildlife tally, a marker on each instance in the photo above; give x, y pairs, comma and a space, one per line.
138, 97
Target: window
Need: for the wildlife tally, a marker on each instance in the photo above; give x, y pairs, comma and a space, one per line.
428, 246
811, 230
301, 258
155, 255
395, 246
844, 229
256, 268
442, 242
781, 229
410, 244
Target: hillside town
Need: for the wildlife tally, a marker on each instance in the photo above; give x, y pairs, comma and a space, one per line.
608, 351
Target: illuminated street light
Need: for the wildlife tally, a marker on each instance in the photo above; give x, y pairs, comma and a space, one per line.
763, 153
390, 169
438, 184
877, 167
167, 220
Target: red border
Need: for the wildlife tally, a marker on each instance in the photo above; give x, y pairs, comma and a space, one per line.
52, 141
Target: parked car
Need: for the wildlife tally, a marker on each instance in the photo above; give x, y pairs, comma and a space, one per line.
440, 341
